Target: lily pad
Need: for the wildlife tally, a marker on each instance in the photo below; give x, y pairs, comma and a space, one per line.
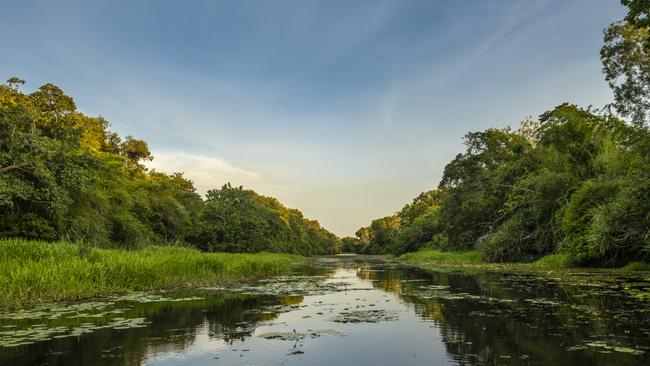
365, 316
295, 336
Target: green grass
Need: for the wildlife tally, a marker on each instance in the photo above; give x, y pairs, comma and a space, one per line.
437, 256
553, 261
473, 260
34, 272
636, 266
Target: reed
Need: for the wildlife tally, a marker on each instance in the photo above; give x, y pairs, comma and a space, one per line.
33, 272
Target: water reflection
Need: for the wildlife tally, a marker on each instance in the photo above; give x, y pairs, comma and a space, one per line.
173, 327
490, 318
352, 311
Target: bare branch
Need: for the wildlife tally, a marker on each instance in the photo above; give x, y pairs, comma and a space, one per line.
9, 167
515, 187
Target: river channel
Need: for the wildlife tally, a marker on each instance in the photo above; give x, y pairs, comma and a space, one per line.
350, 310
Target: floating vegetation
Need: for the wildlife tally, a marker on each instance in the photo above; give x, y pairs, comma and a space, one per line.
295, 285
542, 302
40, 332
243, 329
121, 323
88, 309
434, 287
142, 297
63, 320
55, 311
365, 316
22, 337
295, 336
606, 348
441, 292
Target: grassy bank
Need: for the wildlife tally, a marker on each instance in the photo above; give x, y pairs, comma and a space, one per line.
437, 256
34, 272
431, 258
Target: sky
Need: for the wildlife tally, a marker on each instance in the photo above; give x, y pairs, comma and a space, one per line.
344, 109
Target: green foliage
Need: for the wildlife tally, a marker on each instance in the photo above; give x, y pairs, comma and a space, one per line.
626, 61
33, 272
350, 245
409, 229
423, 231
471, 208
509, 242
422, 204
619, 230
571, 188
64, 175
237, 220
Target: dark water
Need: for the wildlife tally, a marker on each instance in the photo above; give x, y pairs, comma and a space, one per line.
350, 311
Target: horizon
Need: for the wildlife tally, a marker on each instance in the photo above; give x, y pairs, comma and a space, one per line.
331, 113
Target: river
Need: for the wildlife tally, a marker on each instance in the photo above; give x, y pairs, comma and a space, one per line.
349, 310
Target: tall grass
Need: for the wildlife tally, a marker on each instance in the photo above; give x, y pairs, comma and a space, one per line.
33, 272
636, 266
553, 261
438, 256
475, 257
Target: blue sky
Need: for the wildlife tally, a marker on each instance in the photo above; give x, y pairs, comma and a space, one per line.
345, 110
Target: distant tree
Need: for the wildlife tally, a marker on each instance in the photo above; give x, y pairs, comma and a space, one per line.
350, 244
135, 150
420, 205
15, 83
234, 219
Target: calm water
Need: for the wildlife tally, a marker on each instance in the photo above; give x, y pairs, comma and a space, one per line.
349, 311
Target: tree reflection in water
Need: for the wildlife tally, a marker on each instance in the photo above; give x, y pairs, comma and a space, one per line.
499, 318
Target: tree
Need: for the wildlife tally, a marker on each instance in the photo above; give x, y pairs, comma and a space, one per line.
477, 182
350, 244
626, 61
135, 150
424, 202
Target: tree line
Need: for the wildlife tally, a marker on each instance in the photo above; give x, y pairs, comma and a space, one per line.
66, 176
573, 181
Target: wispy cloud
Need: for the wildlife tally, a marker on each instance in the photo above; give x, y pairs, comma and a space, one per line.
206, 172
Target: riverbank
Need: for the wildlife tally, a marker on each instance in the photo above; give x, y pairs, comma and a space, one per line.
33, 272
473, 259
